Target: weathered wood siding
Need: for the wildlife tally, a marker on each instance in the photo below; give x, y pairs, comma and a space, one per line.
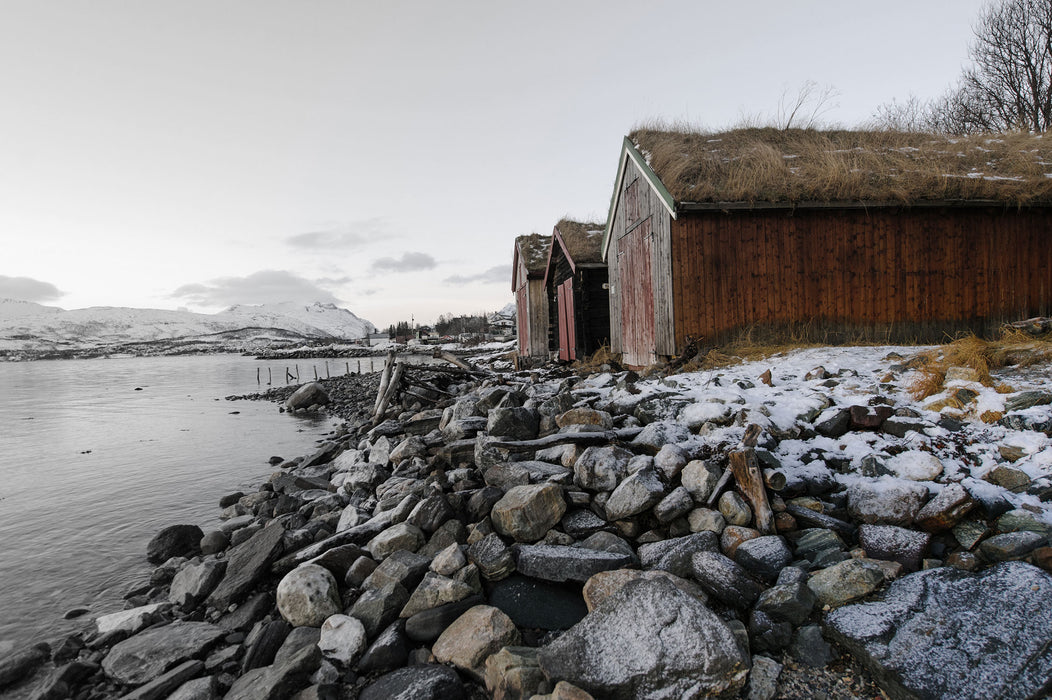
649, 314
898, 274
578, 307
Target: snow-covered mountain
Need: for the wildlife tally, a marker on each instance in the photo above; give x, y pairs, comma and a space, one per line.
27, 328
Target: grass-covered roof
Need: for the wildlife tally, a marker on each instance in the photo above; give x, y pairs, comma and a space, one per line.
799, 166
583, 240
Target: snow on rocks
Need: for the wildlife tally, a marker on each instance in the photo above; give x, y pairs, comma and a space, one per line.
544, 533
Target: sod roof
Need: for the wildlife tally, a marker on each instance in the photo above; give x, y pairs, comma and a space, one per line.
583, 240
533, 250
798, 166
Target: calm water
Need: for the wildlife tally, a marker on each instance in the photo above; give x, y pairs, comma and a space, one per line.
91, 469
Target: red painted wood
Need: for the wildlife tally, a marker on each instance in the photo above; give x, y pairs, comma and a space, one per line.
637, 297
567, 329
522, 319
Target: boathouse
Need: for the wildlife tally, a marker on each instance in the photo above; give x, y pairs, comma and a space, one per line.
531, 302
575, 283
834, 235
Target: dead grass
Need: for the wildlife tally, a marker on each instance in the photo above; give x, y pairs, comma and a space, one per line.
801, 165
1012, 349
596, 360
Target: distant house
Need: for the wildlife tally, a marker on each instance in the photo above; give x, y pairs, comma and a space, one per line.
831, 234
531, 303
575, 282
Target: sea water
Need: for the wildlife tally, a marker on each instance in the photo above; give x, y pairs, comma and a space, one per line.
96, 456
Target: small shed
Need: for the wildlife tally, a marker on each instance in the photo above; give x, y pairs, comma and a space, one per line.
575, 281
833, 235
531, 302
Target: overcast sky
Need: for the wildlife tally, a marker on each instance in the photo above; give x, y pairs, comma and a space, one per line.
382, 155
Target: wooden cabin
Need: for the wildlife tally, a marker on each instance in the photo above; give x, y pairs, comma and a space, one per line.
828, 235
575, 282
531, 302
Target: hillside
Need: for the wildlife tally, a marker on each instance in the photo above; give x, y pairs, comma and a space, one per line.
31, 330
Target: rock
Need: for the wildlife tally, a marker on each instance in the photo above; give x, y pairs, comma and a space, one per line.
280, 680
14, 667
648, 640
946, 509
675, 505
932, 633
429, 682
1027, 399
734, 509
1011, 545
768, 634
308, 395
214, 541
492, 557
1020, 519
433, 591
247, 563
833, 423
308, 595
565, 691
342, 639
193, 583
402, 536
604, 584
891, 543
473, 637
670, 460
763, 678
376, 608
886, 500
968, 533
725, 580
810, 648
514, 673
915, 465
732, 537
601, 468
163, 686
196, 689
763, 557
264, 644
388, 652
513, 423
578, 523
149, 654
534, 604
401, 567
699, 477
430, 513
636, 494
449, 560
820, 545
131, 620
412, 446
585, 416
706, 520
525, 513
660, 433
1015, 480
427, 626
675, 555
560, 563
792, 602
844, 582
174, 541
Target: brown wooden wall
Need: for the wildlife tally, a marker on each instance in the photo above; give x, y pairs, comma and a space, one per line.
898, 274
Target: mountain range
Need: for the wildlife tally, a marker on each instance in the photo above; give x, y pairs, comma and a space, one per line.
34, 330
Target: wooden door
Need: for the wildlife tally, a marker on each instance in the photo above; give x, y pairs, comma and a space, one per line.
637, 297
522, 320
567, 327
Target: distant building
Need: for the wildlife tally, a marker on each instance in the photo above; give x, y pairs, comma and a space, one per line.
575, 282
531, 302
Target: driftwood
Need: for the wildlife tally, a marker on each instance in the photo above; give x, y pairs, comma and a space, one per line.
385, 379
453, 360
392, 389
746, 470
597, 438
752, 434
816, 519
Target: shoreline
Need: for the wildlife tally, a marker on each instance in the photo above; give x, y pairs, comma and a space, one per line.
453, 516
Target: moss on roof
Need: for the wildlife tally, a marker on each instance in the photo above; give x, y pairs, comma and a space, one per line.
583, 240
797, 165
533, 250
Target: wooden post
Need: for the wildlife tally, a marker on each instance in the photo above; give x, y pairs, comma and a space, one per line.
385, 377
288, 376
747, 473
270, 377
257, 376
327, 375
297, 373
359, 366
315, 372
392, 390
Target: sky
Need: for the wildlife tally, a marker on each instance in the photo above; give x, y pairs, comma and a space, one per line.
383, 156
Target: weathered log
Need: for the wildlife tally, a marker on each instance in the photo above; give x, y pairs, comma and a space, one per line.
746, 470
774, 479
392, 390
719, 488
816, 519
385, 378
453, 360
597, 438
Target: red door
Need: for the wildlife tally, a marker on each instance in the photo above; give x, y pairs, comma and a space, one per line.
637, 297
567, 329
522, 319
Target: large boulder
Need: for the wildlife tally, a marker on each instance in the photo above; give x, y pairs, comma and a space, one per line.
949, 633
601, 468
174, 541
247, 563
476, 635
149, 654
308, 395
635, 494
649, 640
308, 595
526, 513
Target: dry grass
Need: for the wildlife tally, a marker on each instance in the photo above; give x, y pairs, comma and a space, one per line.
797, 165
1013, 348
596, 360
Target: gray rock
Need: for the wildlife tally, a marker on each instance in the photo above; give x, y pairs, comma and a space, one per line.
308, 395
492, 557
526, 513
194, 582
427, 626
810, 648
149, 654
263, 644
174, 541
342, 639
1011, 545
14, 667
649, 640
559, 563
834, 423
280, 680
725, 580
706, 520
513, 423
430, 513
636, 494
197, 689
601, 468
699, 477
164, 685
402, 536
675, 505
449, 560
433, 591
792, 602
949, 633
734, 509
430, 682
763, 678
892, 543
844, 582
514, 672
946, 509
670, 461
886, 500
660, 433
763, 557
474, 636
214, 541
308, 595
388, 652
1027, 399
412, 446
900, 425
767, 633
578, 523
675, 555
377, 608
815, 544
247, 563
401, 567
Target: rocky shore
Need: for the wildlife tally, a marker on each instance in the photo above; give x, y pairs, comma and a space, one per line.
517, 535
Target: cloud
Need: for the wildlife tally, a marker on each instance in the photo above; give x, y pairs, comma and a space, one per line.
263, 287
355, 234
494, 275
409, 262
28, 289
